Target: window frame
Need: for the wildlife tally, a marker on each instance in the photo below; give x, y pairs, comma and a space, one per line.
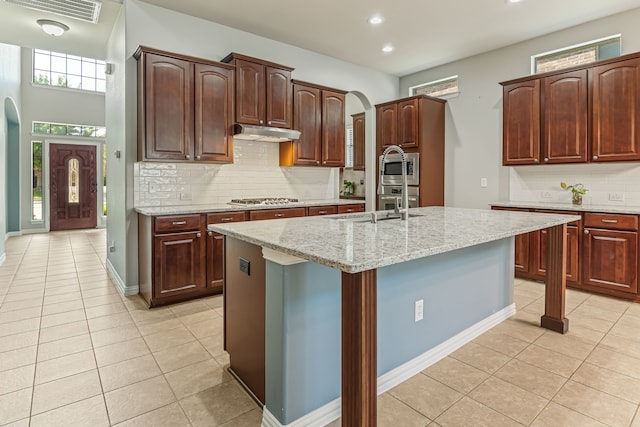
568, 49
99, 78
455, 77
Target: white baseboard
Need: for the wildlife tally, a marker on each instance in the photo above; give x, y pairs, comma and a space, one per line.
12, 234
122, 287
332, 410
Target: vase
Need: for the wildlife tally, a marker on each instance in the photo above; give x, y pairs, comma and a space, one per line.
576, 199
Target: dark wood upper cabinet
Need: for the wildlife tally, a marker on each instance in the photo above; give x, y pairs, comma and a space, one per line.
564, 115
333, 142
213, 113
318, 113
386, 125
358, 141
262, 92
185, 108
521, 123
588, 113
616, 111
408, 124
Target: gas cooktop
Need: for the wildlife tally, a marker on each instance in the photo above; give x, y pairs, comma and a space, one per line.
264, 201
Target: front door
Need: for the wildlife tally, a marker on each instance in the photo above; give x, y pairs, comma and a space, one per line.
73, 186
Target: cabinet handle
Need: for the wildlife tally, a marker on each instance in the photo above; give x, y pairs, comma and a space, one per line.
317, 162
595, 157
269, 122
197, 157
546, 159
324, 162
261, 121
586, 231
227, 219
209, 233
179, 222
536, 161
279, 215
187, 156
199, 235
610, 221
322, 212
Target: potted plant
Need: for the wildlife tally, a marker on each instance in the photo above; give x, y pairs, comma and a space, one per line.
577, 190
347, 189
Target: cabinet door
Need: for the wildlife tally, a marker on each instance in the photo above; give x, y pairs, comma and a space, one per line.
333, 129
615, 107
178, 264
408, 127
215, 260
278, 97
213, 113
610, 259
522, 253
564, 137
386, 126
250, 92
358, 141
168, 100
521, 123
307, 116
539, 252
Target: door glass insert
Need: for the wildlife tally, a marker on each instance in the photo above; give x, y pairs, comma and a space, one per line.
74, 181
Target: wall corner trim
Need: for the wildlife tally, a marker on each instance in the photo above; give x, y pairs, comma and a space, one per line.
120, 285
3, 258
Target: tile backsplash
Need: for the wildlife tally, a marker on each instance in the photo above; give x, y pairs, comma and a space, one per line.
605, 182
254, 173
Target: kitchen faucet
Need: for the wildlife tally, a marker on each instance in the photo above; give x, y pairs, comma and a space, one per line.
404, 211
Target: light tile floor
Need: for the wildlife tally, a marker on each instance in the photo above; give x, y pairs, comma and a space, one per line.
73, 352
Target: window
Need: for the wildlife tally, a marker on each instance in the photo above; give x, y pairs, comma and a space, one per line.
443, 88
583, 53
36, 174
70, 71
69, 130
348, 136
104, 180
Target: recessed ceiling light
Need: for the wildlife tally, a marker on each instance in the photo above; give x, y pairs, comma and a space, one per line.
387, 49
53, 28
513, 1
376, 19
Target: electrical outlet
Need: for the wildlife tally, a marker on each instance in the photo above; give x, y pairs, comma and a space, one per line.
419, 310
546, 194
112, 246
483, 182
616, 197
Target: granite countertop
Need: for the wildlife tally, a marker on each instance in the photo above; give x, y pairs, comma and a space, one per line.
223, 207
352, 247
633, 210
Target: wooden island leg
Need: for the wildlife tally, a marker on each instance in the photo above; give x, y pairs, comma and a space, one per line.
556, 282
359, 349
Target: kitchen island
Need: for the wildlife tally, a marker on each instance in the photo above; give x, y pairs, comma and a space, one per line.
340, 294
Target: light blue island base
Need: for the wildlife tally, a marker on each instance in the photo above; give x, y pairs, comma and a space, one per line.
465, 293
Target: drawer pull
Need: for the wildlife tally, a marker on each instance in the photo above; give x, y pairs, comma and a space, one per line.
610, 221
322, 212
586, 231
209, 233
279, 215
227, 219
179, 222
199, 235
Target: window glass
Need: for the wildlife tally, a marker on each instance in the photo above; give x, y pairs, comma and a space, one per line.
74, 181
442, 88
70, 71
583, 53
36, 174
70, 130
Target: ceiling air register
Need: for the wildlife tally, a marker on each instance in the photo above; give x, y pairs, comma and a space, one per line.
84, 10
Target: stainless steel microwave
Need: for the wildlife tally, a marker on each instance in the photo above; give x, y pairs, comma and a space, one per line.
391, 170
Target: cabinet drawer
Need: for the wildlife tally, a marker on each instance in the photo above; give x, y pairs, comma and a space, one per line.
322, 210
170, 224
350, 208
277, 213
611, 221
217, 218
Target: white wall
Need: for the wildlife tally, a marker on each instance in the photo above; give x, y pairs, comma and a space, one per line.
9, 88
474, 119
55, 105
144, 24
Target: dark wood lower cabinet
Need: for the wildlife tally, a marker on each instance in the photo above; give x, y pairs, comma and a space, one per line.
611, 259
539, 244
178, 259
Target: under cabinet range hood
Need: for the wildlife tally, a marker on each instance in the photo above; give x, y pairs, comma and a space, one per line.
264, 133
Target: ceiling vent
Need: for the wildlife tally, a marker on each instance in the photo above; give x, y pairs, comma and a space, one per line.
84, 10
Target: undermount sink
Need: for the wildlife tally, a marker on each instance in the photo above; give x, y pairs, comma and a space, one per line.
368, 218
